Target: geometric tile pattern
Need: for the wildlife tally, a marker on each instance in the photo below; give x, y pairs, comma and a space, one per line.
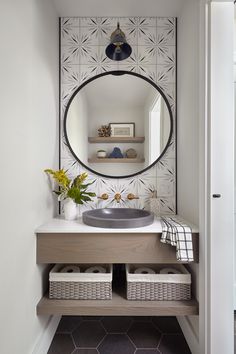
118, 335
83, 43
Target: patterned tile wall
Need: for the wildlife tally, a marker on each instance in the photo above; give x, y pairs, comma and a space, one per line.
83, 43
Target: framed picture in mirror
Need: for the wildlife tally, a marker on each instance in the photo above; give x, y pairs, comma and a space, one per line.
122, 130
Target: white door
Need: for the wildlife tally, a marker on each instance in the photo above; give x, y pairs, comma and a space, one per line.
234, 184
218, 229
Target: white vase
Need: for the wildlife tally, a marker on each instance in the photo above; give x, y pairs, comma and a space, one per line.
70, 209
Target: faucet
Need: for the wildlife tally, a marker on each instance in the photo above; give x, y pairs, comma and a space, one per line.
104, 196
131, 196
117, 197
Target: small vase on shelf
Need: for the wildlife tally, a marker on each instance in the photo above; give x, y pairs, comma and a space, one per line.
70, 209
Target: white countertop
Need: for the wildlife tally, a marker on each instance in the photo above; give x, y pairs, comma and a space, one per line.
60, 225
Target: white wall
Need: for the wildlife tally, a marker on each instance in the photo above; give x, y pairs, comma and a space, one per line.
152, 97
28, 144
187, 126
235, 185
141, 8
77, 126
235, 155
187, 113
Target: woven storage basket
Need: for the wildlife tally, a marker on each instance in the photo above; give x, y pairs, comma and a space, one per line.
80, 286
158, 286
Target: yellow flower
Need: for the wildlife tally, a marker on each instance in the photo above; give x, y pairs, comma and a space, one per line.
83, 177
75, 189
78, 181
60, 177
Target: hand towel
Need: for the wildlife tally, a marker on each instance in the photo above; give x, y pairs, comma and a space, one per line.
178, 234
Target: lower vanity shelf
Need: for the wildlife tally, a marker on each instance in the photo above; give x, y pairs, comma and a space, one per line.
118, 306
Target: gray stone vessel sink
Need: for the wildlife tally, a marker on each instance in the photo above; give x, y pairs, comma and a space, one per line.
117, 218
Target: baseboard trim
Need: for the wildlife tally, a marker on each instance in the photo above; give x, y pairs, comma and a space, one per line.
189, 334
47, 335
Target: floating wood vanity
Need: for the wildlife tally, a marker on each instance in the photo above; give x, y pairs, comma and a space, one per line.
61, 241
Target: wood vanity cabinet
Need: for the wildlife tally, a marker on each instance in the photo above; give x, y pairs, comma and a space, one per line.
143, 248
106, 248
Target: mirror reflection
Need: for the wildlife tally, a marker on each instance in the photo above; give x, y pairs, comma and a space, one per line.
118, 125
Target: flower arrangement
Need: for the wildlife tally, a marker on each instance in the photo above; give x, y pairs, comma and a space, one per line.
76, 188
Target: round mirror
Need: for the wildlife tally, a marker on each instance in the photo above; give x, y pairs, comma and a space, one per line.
118, 124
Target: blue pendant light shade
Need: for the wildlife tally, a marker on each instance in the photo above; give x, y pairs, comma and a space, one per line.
118, 49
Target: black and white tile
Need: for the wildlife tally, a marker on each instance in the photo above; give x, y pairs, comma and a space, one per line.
83, 43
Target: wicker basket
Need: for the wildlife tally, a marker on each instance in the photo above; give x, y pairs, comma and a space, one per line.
158, 286
80, 286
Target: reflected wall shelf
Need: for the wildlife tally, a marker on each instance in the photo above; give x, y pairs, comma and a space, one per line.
112, 160
113, 139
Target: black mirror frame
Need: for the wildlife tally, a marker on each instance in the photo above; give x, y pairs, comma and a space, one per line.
117, 72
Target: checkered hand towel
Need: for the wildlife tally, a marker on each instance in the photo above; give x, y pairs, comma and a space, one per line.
178, 234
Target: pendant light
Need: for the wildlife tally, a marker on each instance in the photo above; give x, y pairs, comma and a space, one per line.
118, 49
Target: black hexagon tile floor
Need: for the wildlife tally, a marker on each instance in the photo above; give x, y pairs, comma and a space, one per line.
118, 335
88, 334
144, 335
116, 324
61, 344
116, 344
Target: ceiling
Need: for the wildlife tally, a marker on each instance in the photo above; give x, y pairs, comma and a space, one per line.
113, 8
125, 91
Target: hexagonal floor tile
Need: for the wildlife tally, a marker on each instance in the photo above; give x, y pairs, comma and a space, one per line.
85, 351
61, 344
142, 318
144, 335
174, 344
68, 323
167, 324
147, 351
116, 324
88, 334
116, 344
92, 318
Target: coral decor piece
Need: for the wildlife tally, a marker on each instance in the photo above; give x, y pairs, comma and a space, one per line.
104, 131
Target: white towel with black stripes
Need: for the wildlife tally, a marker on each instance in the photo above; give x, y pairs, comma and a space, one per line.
176, 233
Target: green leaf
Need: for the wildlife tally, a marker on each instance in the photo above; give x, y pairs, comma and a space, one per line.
86, 199
74, 193
91, 194
84, 186
78, 201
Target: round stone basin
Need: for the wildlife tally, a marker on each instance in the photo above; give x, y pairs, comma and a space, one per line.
118, 218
